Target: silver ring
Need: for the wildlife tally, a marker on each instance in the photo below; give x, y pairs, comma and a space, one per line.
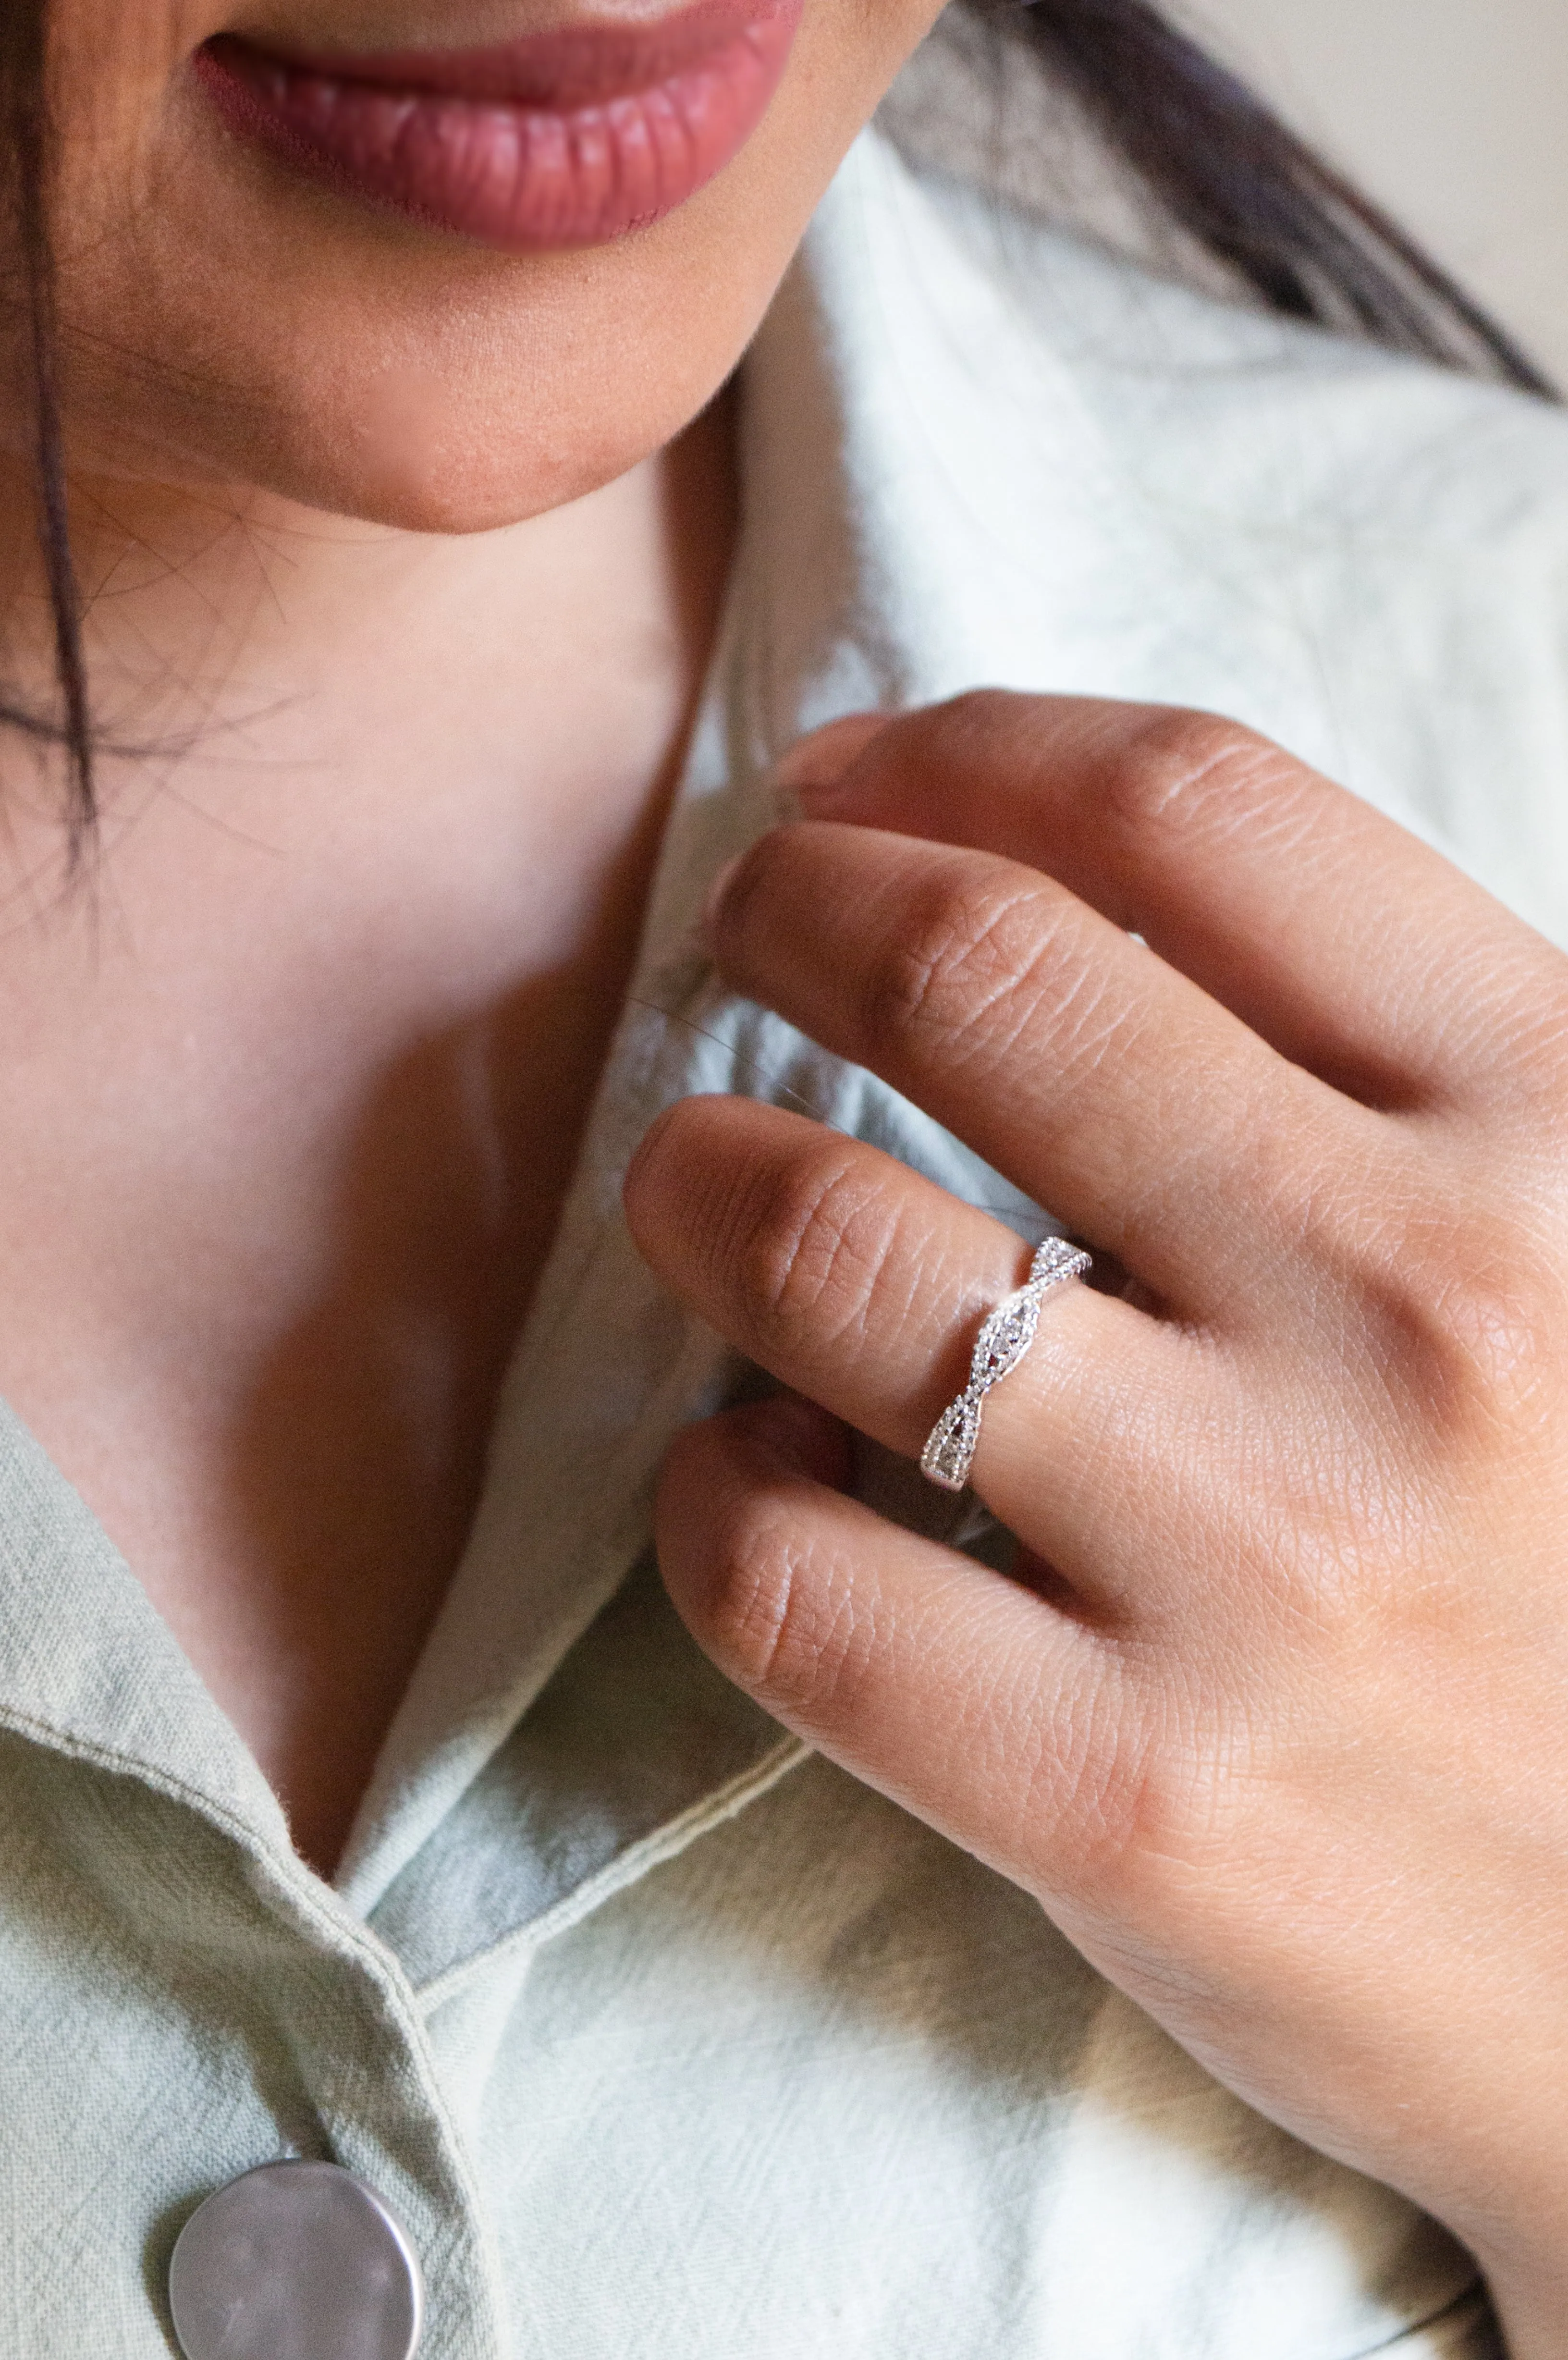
1005, 1337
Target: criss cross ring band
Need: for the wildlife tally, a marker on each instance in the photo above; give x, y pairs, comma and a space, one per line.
1005, 1337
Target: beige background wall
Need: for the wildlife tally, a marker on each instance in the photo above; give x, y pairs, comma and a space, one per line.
1452, 112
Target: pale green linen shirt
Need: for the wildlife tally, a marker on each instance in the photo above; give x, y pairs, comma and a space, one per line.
665, 2039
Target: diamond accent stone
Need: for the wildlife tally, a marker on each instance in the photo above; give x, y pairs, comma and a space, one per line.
1006, 1334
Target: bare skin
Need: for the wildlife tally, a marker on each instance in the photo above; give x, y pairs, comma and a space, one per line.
1262, 1717
293, 1082
412, 565
408, 554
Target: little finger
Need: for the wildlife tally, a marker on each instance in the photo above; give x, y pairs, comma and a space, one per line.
1011, 1728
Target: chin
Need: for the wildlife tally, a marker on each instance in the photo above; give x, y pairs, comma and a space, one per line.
460, 483
404, 454
453, 502
297, 334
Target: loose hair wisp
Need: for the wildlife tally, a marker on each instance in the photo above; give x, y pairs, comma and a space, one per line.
27, 292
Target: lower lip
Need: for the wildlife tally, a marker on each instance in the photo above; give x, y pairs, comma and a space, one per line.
567, 139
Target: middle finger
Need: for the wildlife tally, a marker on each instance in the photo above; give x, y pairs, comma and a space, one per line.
1145, 1115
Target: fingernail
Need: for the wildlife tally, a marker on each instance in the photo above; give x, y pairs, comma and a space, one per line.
708, 922
813, 766
806, 1440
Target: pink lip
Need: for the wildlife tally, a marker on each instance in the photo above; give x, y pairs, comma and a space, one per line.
568, 138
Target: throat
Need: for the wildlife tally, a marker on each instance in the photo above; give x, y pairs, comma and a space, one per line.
290, 1097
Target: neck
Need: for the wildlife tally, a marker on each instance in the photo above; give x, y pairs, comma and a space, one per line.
238, 645
292, 1078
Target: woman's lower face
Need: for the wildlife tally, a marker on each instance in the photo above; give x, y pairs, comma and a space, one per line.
438, 266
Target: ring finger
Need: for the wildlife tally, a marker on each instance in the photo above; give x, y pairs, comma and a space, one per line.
863, 1285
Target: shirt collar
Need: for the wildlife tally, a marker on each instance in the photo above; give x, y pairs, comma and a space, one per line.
838, 601
930, 501
88, 1665
885, 558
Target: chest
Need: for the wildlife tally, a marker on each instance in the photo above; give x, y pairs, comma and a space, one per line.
817, 2083
282, 1148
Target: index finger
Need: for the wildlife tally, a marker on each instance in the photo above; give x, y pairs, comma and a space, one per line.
1076, 1063
1352, 948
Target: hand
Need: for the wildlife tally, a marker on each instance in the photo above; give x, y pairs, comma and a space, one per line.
1273, 1717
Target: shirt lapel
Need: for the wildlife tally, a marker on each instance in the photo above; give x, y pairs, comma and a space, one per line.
820, 621
89, 1666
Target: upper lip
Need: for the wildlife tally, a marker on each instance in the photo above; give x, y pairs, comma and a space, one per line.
596, 58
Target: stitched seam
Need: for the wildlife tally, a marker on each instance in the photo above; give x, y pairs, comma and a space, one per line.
651, 1851
381, 1968
33, 1727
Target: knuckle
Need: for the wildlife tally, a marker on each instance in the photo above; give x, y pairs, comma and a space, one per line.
1186, 772
977, 717
1131, 1793
1468, 1314
967, 944
960, 729
779, 1611
817, 1238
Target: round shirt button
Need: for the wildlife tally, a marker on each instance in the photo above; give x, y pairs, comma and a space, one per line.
295, 2261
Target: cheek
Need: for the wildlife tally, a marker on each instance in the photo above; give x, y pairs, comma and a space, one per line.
288, 337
